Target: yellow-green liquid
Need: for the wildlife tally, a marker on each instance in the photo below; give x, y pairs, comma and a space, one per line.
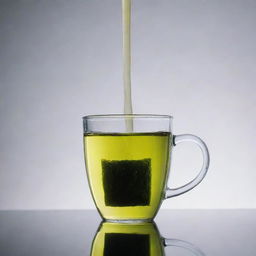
127, 172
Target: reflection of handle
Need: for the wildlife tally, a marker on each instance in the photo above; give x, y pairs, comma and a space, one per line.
183, 244
206, 160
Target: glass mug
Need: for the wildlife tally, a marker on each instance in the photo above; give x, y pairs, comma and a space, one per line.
142, 239
127, 161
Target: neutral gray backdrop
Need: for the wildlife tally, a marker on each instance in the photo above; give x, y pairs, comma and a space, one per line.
60, 60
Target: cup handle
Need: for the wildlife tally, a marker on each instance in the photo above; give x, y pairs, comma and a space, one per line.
171, 192
183, 244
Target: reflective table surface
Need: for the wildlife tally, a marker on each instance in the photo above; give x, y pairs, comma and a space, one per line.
175, 232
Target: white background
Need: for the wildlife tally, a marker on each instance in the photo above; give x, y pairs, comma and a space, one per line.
61, 60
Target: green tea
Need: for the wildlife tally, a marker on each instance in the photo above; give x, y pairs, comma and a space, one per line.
126, 172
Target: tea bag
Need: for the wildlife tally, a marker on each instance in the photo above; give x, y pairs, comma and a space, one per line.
127, 182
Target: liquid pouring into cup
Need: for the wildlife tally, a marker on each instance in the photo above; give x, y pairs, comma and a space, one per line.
126, 14
128, 156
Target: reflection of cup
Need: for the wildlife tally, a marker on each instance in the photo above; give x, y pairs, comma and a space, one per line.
143, 239
128, 170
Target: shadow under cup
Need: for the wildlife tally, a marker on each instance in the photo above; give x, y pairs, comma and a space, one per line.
144, 239
127, 239
127, 161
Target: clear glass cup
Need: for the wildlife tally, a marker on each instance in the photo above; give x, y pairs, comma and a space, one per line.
127, 162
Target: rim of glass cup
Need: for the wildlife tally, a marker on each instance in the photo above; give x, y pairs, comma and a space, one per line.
127, 115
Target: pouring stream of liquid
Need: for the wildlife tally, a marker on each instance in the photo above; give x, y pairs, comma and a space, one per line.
126, 14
